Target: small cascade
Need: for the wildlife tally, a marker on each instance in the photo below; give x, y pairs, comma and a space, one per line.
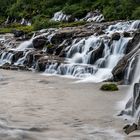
135, 25
25, 45
131, 103
94, 17
6, 57
129, 76
118, 49
60, 16
120, 27
21, 61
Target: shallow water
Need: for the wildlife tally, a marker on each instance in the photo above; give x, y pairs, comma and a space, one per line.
36, 107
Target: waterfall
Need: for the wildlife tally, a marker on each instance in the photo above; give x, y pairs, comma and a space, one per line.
60, 16
131, 104
89, 58
25, 45
6, 57
135, 25
128, 74
22, 60
93, 58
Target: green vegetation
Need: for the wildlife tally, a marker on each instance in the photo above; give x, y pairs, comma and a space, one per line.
9, 29
109, 87
39, 12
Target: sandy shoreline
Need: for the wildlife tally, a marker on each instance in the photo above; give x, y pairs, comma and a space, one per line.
37, 107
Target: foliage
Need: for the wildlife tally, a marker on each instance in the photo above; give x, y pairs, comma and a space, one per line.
136, 13
72, 24
41, 22
26, 29
36, 9
109, 87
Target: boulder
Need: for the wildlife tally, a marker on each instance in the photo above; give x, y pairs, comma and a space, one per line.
133, 103
41, 64
115, 36
97, 53
5, 66
121, 67
39, 42
133, 43
130, 128
50, 49
37, 56
59, 37
59, 49
127, 34
18, 33
17, 55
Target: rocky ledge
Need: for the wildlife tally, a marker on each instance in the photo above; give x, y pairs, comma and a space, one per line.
39, 49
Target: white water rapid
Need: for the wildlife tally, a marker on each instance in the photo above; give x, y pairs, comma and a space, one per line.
87, 58
93, 58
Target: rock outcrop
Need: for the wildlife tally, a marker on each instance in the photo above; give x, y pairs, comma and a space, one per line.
132, 49
132, 109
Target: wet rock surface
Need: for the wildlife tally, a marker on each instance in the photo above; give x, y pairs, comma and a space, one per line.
131, 52
92, 43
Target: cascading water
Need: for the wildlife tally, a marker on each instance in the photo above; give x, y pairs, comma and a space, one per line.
130, 103
6, 58
93, 58
60, 16
90, 59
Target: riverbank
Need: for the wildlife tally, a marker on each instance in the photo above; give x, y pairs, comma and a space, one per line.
38, 107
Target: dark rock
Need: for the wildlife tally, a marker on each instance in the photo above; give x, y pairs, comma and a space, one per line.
6, 66
17, 55
121, 67
59, 49
13, 68
130, 128
59, 37
41, 64
39, 43
136, 98
37, 56
133, 103
97, 53
71, 19
29, 59
18, 33
22, 67
127, 34
133, 43
50, 49
115, 36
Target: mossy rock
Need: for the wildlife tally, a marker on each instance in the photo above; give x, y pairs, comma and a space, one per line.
109, 87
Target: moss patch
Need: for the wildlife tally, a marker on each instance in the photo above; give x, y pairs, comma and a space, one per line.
109, 87
9, 29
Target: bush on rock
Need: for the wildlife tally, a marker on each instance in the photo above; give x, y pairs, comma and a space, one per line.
109, 87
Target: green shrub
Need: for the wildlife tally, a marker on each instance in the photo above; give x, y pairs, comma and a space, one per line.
109, 87
26, 29
5, 30
136, 13
76, 10
49, 46
72, 24
43, 22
